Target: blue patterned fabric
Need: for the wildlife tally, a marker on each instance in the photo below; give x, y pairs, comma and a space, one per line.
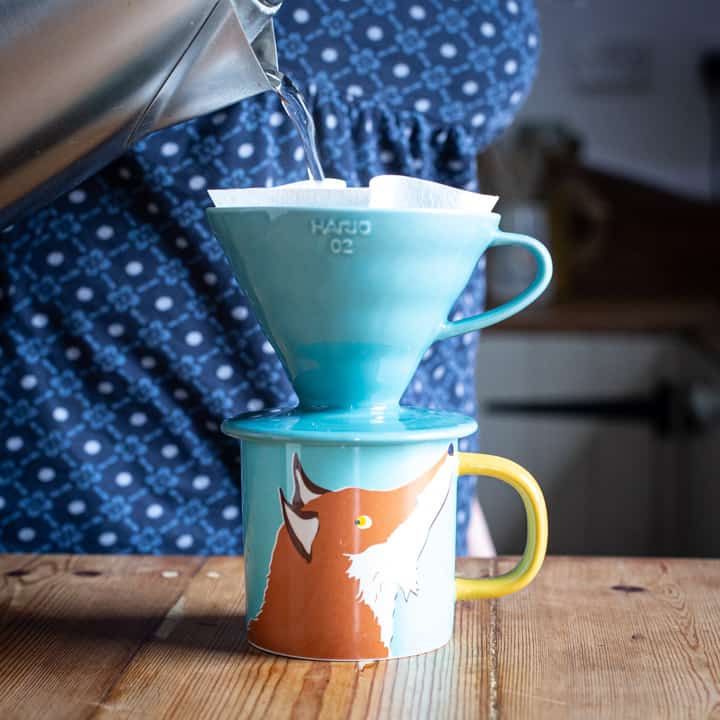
124, 339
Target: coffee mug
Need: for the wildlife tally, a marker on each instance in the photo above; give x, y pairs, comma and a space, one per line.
349, 529
351, 298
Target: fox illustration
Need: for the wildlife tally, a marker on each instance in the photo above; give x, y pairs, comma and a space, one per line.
340, 560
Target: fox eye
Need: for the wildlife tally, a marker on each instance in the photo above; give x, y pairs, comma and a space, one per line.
363, 522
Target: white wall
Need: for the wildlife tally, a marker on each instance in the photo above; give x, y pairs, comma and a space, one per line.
660, 135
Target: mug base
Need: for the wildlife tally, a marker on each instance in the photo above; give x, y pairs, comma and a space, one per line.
349, 660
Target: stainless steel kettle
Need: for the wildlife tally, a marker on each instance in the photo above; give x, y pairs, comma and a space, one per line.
82, 80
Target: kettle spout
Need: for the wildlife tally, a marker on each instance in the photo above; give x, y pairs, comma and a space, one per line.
228, 60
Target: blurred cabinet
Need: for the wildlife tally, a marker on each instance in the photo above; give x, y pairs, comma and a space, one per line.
613, 485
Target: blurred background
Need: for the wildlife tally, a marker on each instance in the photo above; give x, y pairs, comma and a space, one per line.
609, 389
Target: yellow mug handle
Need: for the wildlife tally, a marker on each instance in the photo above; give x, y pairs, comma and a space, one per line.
537, 527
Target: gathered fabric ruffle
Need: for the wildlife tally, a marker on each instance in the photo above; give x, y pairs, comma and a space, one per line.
461, 67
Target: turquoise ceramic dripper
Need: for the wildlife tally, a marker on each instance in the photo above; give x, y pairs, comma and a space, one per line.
351, 298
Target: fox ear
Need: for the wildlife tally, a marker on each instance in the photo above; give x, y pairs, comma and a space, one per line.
302, 527
305, 489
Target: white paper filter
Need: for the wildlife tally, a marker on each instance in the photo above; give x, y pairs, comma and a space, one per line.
399, 191
385, 191
308, 193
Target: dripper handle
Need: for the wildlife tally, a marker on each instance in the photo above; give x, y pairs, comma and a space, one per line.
511, 307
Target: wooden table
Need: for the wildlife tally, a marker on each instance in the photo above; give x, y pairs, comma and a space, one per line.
147, 637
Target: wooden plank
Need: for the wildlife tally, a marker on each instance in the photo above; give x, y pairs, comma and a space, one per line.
611, 638
126, 637
200, 666
70, 625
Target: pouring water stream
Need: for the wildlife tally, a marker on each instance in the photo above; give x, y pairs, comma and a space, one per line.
297, 110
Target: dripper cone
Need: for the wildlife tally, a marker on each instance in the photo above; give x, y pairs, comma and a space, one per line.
351, 298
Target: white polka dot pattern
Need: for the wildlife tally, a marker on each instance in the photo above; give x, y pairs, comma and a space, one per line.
130, 341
